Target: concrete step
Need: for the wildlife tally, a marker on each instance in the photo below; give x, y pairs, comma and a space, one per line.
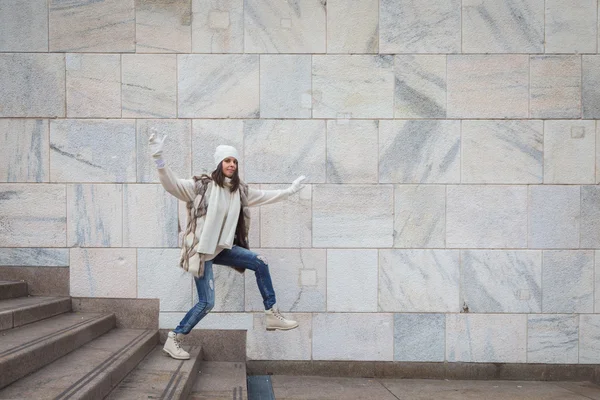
218, 380
20, 311
160, 377
11, 289
89, 372
26, 349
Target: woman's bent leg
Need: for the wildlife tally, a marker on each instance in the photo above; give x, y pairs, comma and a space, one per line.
206, 301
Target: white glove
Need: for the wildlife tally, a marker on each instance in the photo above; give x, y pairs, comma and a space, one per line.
156, 148
296, 185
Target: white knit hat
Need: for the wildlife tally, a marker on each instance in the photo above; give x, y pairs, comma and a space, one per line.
224, 151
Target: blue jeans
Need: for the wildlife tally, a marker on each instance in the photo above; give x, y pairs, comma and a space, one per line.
237, 257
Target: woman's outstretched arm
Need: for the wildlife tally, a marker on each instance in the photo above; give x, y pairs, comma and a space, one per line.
258, 197
183, 189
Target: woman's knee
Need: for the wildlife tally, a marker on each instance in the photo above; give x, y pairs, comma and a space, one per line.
261, 262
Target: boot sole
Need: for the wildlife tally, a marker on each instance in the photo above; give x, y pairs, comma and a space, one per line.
175, 357
282, 329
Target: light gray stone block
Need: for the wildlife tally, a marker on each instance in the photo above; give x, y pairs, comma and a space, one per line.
353, 86
408, 26
352, 151
272, 26
352, 280
486, 338
177, 150
508, 152
272, 345
149, 85
353, 216
589, 339
24, 25
419, 337
218, 26
597, 281
568, 281
218, 86
491, 26
420, 87
597, 152
590, 217
420, 216
356, 337
419, 280
26, 223
163, 26
97, 26
92, 150
488, 86
32, 85
419, 151
299, 279
149, 216
554, 213
552, 339
278, 151
486, 216
352, 27
93, 85
24, 150
35, 257
229, 289
591, 86
93, 272
555, 87
501, 281
95, 215
207, 135
159, 276
214, 320
571, 26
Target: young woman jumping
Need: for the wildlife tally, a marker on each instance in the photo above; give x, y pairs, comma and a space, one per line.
217, 232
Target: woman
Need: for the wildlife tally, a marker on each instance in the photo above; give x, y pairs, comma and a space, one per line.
217, 232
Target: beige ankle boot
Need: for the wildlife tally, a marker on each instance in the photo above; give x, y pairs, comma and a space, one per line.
173, 346
277, 321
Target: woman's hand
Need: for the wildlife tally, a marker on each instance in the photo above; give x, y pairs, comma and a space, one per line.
156, 148
296, 185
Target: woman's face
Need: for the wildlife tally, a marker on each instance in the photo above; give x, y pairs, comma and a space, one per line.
229, 166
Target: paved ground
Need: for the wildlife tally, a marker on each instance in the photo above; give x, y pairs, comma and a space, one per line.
320, 388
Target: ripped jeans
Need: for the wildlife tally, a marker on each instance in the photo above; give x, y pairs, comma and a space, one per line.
238, 257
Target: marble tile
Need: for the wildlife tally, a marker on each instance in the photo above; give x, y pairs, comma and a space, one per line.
486, 216
353, 86
555, 87
229, 289
352, 280
285, 86
353, 216
589, 339
272, 26
408, 26
163, 26
218, 26
278, 151
24, 25
420, 216
352, 151
149, 85
228, 321
149, 216
502, 152
591, 86
353, 336
352, 27
24, 150
419, 337
590, 217
95, 215
23, 219
488, 86
597, 281
597, 152
299, 279
92, 150
491, 338
491, 26
501, 281
568, 281
159, 277
93, 272
34, 257
571, 26
419, 280
420, 86
218, 86
272, 345
288, 223
92, 26
207, 134
32, 85
415, 151
177, 152
554, 214
553, 339
93, 85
